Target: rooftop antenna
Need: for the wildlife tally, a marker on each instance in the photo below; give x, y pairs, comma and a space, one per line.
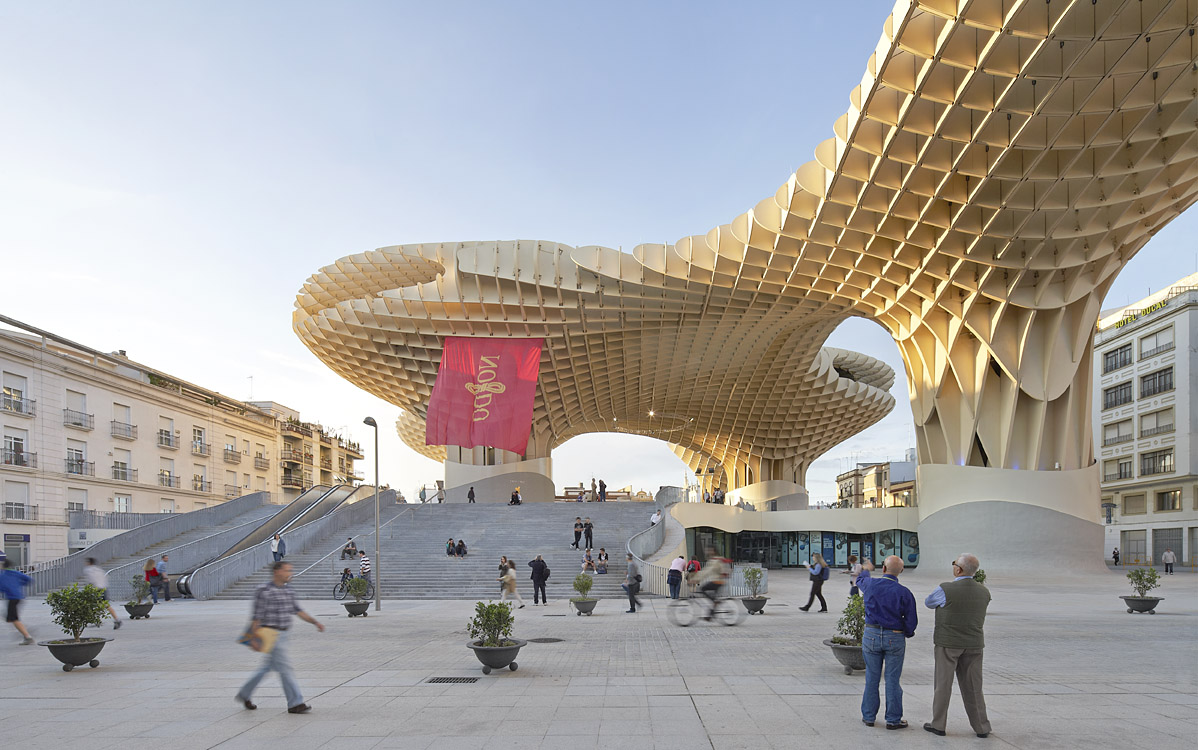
251, 379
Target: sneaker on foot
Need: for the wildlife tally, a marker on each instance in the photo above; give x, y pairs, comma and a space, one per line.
27, 642
520, 607
249, 704
116, 625
302, 708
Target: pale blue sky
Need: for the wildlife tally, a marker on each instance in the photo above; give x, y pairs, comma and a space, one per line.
171, 173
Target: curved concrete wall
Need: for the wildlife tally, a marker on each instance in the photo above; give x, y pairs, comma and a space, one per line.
494, 484
789, 496
848, 520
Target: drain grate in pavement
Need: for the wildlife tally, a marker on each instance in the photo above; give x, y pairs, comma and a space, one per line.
545, 640
552, 615
453, 680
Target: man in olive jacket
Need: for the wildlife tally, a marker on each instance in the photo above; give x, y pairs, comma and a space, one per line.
960, 606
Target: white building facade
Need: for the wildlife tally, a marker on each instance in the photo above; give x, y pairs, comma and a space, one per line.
1145, 415
86, 430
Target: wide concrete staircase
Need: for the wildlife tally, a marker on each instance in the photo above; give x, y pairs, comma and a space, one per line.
415, 566
250, 519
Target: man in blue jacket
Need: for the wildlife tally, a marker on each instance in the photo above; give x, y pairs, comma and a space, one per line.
890, 619
12, 585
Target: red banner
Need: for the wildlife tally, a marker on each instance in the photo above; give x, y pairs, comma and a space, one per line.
484, 393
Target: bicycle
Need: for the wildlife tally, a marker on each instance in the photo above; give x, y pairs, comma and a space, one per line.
341, 590
723, 610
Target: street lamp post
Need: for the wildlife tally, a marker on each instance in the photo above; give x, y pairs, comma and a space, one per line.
378, 561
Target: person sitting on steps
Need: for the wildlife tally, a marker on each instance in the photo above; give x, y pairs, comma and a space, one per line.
461, 548
601, 562
350, 549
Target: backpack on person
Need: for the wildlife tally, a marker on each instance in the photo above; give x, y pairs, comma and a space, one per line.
546, 572
826, 573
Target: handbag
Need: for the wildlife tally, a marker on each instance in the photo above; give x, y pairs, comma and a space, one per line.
638, 578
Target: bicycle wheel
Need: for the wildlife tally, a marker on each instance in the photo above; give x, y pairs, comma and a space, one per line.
682, 613
730, 612
369, 591
339, 591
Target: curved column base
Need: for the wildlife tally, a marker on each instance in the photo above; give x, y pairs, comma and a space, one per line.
1014, 521
774, 494
494, 484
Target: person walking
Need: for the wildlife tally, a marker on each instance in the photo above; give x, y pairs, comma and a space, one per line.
1168, 559
890, 619
588, 531
508, 579
960, 606
819, 573
854, 571
151, 573
1115, 556
164, 580
674, 577
577, 532
364, 567
632, 584
540, 574
470, 495
95, 576
12, 586
274, 604
278, 548
503, 563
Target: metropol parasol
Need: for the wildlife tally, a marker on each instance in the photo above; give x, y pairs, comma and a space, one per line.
999, 164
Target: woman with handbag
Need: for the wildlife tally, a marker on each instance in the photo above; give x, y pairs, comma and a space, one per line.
817, 568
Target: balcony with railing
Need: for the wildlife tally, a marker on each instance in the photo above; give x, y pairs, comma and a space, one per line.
1119, 475
292, 481
168, 439
1117, 439
352, 448
80, 467
261, 462
78, 419
232, 491
199, 484
123, 430
297, 428
1157, 430
232, 456
200, 448
124, 473
20, 512
326, 464
288, 455
1157, 350
326, 439
16, 405
167, 479
21, 459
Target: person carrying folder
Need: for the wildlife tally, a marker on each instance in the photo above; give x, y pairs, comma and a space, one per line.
274, 604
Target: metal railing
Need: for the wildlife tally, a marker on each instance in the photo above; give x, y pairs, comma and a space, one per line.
54, 574
232, 456
211, 579
124, 430
17, 405
18, 458
295, 457
183, 557
261, 462
199, 448
80, 467
298, 429
1157, 430
78, 419
232, 490
1117, 439
1157, 350
109, 519
124, 473
20, 512
199, 484
167, 479
1117, 476
167, 439
294, 481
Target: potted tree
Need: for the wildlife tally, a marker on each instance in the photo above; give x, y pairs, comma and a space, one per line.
357, 588
1142, 581
980, 576
490, 630
74, 608
138, 607
753, 603
582, 603
846, 646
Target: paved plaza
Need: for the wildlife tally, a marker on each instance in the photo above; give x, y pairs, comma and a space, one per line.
1066, 667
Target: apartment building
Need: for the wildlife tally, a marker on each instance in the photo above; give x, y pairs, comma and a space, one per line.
310, 453
1144, 420
886, 484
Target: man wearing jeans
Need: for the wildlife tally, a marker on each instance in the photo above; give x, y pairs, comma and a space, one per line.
890, 619
274, 604
163, 580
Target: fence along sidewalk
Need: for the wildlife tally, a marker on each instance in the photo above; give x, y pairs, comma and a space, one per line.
54, 574
214, 578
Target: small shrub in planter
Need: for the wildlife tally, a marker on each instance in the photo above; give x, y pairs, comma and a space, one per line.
357, 588
583, 604
1142, 581
980, 576
73, 609
846, 646
754, 602
138, 607
492, 624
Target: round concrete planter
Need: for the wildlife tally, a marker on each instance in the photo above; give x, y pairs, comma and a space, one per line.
850, 657
584, 606
356, 608
76, 653
498, 657
1141, 603
755, 604
139, 611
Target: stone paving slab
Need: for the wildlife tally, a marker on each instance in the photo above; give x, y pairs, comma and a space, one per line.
1065, 667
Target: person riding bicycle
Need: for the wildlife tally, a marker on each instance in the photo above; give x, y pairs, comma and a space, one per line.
712, 577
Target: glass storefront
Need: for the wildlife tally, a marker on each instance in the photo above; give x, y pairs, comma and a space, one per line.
790, 549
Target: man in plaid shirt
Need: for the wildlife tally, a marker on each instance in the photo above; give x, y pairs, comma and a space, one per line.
274, 604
